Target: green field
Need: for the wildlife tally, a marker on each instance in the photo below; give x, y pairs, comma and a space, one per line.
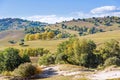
51, 45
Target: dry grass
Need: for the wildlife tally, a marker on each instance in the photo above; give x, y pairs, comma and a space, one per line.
57, 78
51, 45
104, 36
63, 78
69, 67
47, 44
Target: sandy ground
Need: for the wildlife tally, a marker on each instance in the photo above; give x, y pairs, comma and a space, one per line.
110, 73
105, 75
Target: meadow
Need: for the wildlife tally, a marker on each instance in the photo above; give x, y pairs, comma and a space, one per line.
51, 45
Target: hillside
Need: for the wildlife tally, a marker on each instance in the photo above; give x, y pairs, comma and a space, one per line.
65, 71
5, 36
16, 24
88, 25
109, 32
51, 45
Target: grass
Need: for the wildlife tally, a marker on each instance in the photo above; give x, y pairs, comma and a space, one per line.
69, 67
57, 78
104, 36
5, 36
64, 78
47, 44
114, 79
51, 45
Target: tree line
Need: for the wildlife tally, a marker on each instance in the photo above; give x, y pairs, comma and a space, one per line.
82, 30
44, 34
84, 52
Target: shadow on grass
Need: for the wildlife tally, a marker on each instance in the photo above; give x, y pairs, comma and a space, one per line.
24, 45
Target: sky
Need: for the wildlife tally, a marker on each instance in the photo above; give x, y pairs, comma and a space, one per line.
52, 11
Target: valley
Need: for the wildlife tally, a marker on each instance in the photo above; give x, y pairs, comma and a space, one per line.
64, 51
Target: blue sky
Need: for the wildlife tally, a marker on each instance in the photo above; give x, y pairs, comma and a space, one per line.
52, 11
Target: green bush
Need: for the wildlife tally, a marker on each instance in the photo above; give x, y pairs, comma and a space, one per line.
112, 61
34, 51
61, 59
10, 59
25, 70
109, 49
47, 59
25, 58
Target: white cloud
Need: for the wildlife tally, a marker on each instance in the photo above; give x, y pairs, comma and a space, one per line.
104, 9
96, 12
101, 12
48, 18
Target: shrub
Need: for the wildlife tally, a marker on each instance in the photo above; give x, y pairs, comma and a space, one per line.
25, 58
38, 70
112, 61
26, 70
10, 59
34, 51
61, 58
6, 73
47, 59
77, 52
109, 49
21, 43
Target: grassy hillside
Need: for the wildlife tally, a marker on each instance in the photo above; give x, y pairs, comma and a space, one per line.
5, 36
52, 44
111, 26
104, 36
100, 23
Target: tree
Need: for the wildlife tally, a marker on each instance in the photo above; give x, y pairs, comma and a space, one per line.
21, 42
37, 36
10, 59
59, 35
32, 37
44, 36
50, 35
109, 49
112, 61
83, 52
27, 37
79, 52
47, 59
12, 42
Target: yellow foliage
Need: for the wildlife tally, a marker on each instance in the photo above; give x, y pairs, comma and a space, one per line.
50, 35
27, 37
38, 70
32, 37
